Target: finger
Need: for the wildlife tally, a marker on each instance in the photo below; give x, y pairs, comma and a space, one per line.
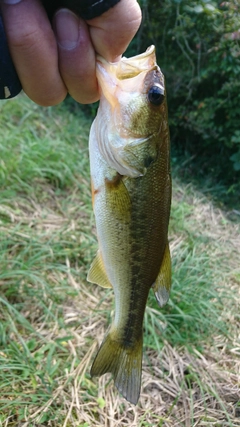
112, 32
76, 56
34, 51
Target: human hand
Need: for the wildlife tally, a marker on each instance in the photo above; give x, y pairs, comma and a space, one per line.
52, 61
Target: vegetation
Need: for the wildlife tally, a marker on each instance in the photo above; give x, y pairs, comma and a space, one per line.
51, 319
198, 49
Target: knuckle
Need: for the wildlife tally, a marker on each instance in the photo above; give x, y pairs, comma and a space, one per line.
26, 40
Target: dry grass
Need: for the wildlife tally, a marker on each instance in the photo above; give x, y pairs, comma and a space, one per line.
52, 320
179, 388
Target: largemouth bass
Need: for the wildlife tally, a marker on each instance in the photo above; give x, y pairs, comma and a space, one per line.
131, 193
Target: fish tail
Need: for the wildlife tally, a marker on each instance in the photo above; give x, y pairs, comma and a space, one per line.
125, 364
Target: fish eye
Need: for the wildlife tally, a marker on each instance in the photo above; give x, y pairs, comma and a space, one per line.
156, 95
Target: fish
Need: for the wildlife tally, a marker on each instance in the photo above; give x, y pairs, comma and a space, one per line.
129, 151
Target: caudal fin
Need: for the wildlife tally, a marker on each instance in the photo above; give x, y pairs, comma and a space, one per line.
125, 364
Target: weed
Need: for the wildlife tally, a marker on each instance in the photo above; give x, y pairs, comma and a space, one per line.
50, 317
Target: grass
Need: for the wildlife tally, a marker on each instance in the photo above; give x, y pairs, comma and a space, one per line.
51, 319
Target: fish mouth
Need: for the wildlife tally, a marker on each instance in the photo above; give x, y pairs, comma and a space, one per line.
127, 68
127, 76
148, 52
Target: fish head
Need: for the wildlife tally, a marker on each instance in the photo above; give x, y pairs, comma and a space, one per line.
133, 107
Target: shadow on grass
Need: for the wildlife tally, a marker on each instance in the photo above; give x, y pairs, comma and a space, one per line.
208, 174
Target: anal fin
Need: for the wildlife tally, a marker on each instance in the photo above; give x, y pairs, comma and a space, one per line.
162, 284
97, 273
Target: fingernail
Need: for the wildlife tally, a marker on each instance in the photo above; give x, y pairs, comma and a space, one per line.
66, 26
11, 1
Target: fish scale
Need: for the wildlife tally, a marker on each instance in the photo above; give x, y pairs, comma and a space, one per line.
129, 150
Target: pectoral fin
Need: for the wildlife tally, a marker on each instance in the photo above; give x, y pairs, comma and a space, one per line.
162, 285
97, 273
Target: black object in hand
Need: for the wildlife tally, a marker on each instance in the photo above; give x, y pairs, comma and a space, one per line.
10, 85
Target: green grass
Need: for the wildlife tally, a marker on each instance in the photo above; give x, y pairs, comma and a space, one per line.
50, 317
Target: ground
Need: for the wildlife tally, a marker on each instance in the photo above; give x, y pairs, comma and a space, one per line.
52, 320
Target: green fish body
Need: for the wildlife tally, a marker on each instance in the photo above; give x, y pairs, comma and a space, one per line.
131, 191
